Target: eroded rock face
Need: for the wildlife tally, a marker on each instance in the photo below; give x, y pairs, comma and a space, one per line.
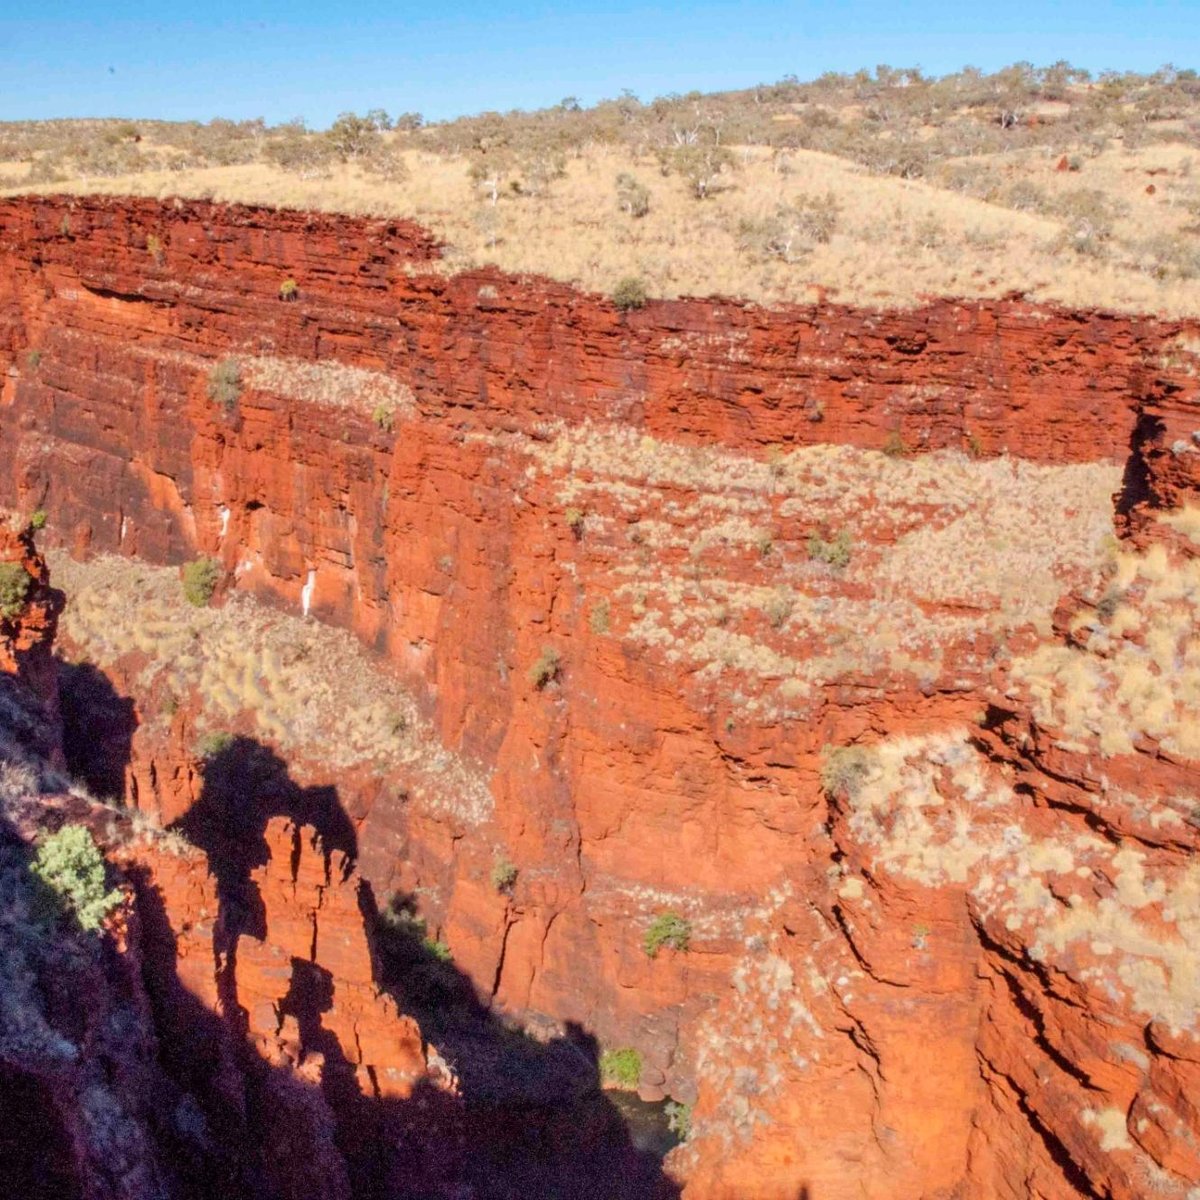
645, 573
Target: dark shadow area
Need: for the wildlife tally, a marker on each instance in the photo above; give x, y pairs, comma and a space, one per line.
35, 1147
1135, 482
529, 1120
98, 727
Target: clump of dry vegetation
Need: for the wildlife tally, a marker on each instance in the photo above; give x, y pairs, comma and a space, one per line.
880, 186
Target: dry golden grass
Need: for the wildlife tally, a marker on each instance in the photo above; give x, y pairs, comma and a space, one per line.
707, 559
896, 240
300, 686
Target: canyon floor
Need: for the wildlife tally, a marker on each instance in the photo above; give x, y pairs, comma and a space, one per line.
499, 708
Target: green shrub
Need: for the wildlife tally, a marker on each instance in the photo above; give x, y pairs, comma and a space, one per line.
288, 289
679, 1119
384, 416
225, 383
37, 520
845, 769
504, 875
629, 293
72, 868
15, 583
834, 551
622, 1068
200, 580
212, 744
33, 359
546, 668
574, 519
438, 949
667, 929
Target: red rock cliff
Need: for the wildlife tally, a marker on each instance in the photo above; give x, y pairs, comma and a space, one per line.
482, 474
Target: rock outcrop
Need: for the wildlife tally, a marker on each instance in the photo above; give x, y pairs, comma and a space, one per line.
906, 738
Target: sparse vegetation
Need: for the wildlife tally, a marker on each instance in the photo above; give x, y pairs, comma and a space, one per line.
993, 212
33, 359
894, 446
225, 383
667, 930
289, 289
621, 1068
200, 579
71, 866
574, 519
37, 520
15, 585
546, 669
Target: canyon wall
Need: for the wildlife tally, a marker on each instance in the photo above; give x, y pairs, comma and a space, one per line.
690, 644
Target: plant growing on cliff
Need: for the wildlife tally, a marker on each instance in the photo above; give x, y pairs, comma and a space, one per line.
679, 1119
72, 869
15, 583
33, 359
200, 580
504, 875
575, 519
384, 416
667, 929
630, 293
834, 551
621, 1068
546, 669
289, 289
438, 949
225, 383
213, 744
37, 520
845, 769
894, 446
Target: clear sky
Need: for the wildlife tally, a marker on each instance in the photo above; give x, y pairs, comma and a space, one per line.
312, 59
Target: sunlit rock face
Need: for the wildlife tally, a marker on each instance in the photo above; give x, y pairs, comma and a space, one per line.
861, 642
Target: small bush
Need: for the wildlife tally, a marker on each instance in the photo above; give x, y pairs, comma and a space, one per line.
225, 383
574, 519
546, 668
288, 289
632, 197
72, 868
200, 580
154, 248
384, 417
679, 1119
622, 1068
667, 929
37, 520
33, 359
780, 607
630, 293
438, 949
504, 875
599, 619
212, 744
15, 583
894, 447
844, 770
834, 551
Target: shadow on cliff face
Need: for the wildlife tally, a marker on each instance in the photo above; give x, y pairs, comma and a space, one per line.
98, 727
529, 1122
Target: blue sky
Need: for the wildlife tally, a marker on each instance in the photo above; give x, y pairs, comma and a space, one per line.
314, 60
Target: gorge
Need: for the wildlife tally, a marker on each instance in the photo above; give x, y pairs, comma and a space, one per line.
860, 642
